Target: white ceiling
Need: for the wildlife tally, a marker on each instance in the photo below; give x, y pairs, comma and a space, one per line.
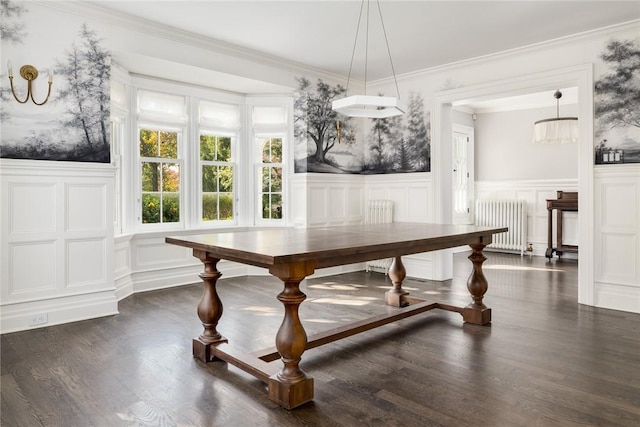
421, 34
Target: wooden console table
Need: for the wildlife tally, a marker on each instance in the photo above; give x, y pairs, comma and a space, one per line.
292, 255
566, 201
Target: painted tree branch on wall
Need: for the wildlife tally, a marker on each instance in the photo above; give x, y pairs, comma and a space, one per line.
12, 31
314, 119
12, 28
618, 102
74, 124
396, 147
87, 69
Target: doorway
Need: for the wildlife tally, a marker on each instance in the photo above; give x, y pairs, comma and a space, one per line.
463, 174
442, 143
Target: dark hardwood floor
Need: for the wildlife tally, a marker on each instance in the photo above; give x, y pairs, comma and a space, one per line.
544, 361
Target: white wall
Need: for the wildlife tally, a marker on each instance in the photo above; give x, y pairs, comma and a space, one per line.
504, 150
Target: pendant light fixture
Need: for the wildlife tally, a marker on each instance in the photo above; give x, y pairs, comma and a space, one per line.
375, 107
558, 130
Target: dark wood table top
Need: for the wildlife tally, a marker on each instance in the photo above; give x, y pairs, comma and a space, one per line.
332, 246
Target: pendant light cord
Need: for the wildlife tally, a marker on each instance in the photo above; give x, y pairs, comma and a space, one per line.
366, 56
384, 31
355, 43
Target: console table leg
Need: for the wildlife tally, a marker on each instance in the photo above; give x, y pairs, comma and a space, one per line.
476, 312
209, 309
291, 387
397, 273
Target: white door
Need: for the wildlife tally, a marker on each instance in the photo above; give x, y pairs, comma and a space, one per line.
463, 174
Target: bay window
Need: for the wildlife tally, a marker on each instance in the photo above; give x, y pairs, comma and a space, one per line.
205, 160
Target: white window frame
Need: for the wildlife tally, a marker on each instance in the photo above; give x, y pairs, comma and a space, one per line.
258, 165
282, 130
245, 156
181, 131
200, 191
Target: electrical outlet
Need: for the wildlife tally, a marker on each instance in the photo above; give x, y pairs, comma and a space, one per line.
38, 319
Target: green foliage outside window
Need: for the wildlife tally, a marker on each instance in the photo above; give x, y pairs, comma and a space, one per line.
215, 148
217, 207
155, 143
153, 204
160, 180
271, 178
217, 178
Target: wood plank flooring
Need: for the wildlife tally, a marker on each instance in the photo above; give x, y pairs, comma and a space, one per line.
544, 361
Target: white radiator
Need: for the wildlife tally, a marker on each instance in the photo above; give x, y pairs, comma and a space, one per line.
379, 212
505, 213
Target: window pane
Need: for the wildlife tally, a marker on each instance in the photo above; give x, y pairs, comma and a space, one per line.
209, 207
224, 149
272, 150
225, 175
169, 145
150, 176
276, 150
150, 208
271, 206
209, 179
266, 206
171, 177
226, 206
266, 184
276, 206
148, 143
266, 151
207, 147
276, 179
171, 208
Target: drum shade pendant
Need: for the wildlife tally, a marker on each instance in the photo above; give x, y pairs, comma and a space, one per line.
375, 107
558, 130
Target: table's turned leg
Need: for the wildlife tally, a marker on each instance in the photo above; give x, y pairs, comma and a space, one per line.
209, 309
291, 387
477, 312
549, 252
397, 296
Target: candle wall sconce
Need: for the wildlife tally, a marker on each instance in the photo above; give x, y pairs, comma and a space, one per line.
29, 73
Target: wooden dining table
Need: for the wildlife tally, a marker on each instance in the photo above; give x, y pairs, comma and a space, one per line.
292, 254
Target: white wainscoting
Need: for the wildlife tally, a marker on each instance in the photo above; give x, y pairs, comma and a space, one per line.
536, 193
617, 237
411, 195
57, 247
321, 200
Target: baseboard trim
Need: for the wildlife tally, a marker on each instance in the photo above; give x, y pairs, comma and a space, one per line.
16, 317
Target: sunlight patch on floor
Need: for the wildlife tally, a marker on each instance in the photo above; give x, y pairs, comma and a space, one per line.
261, 310
319, 321
345, 300
517, 267
336, 286
406, 288
431, 293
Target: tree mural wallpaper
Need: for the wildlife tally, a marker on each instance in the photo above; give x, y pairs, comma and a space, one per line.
326, 141
74, 124
617, 104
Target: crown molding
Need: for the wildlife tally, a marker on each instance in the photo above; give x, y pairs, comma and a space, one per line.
572, 38
88, 10
84, 9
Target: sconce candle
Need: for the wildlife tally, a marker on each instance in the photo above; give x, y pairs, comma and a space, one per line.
29, 73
